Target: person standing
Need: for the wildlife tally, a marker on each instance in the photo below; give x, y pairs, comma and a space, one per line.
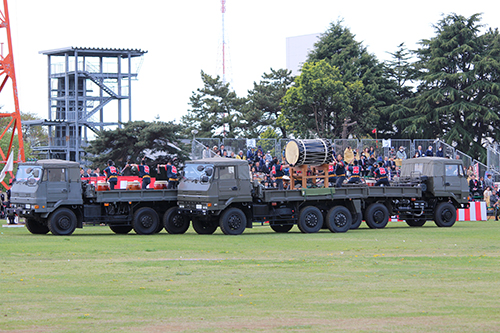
144, 173
419, 152
355, 173
382, 175
111, 173
340, 171
401, 154
429, 151
171, 174
440, 152
277, 173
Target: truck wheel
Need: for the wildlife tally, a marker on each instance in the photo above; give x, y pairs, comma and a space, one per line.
120, 229
203, 227
415, 222
445, 215
174, 222
281, 228
310, 220
338, 219
377, 216
62, 222
356, 220
145, 221
36, 227
233, 222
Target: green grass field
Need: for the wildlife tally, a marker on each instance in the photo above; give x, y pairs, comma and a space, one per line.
397, 279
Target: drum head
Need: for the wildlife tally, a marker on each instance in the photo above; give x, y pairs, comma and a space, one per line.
292, 153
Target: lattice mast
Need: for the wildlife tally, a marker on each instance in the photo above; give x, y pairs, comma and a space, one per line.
7, 72
223, 11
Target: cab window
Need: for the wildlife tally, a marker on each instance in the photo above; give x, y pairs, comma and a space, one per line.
226, 172
54, 175
452, 170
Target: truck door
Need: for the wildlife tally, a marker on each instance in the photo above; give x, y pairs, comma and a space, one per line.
57, 184
228, 186
453, 178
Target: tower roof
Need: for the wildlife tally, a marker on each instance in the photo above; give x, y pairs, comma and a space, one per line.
95, 51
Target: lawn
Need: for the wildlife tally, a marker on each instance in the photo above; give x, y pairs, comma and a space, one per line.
396, 279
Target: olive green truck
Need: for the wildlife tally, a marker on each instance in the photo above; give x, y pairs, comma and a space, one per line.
219, 192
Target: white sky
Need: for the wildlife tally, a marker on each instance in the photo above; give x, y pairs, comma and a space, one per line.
183, 37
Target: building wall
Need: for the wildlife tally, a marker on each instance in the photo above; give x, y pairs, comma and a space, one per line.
297, 50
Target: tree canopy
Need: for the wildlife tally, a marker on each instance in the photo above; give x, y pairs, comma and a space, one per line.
215, 110
457, 98
135, 140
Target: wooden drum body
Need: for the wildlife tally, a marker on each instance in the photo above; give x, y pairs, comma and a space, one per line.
102, 186
309, 151
160, 184
134, 185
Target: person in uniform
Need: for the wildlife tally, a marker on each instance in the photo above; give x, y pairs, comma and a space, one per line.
171, 174
340, 171
277, 171
355, 173
381, 174
143, 173
111, 173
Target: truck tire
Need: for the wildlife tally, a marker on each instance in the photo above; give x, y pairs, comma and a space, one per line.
415, 222
174, 222
281, 228
338, 219
62, 222
356, 220
310, 220
120, 229
233, 222
377, 216
36, 227
445, 215
203, 227
145, 221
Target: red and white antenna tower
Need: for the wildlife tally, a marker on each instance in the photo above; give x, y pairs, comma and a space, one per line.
7, 72
223, 11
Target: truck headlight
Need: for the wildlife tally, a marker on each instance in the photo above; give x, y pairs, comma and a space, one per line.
28, 206
198, 206
181, 206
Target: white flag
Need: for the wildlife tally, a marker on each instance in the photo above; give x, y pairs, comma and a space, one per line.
9, 166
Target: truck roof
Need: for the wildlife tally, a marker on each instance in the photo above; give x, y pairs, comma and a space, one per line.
243, 170
54, 163
429, 166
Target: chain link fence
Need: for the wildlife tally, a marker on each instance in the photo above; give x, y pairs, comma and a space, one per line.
381, 148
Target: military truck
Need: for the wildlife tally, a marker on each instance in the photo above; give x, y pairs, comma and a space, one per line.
51, 196
219, 192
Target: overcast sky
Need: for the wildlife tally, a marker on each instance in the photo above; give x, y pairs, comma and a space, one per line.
183, 37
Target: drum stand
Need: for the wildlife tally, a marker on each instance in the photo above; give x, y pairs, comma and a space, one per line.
300, 173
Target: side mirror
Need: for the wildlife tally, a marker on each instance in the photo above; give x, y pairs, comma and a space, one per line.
209, 172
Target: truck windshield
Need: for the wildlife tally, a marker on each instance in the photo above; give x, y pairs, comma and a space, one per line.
198, 172
29, 174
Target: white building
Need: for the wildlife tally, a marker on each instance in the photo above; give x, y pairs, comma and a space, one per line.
297, 50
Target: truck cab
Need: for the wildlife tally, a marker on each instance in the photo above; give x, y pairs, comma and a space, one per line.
209, 186
44, 185
443, 178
